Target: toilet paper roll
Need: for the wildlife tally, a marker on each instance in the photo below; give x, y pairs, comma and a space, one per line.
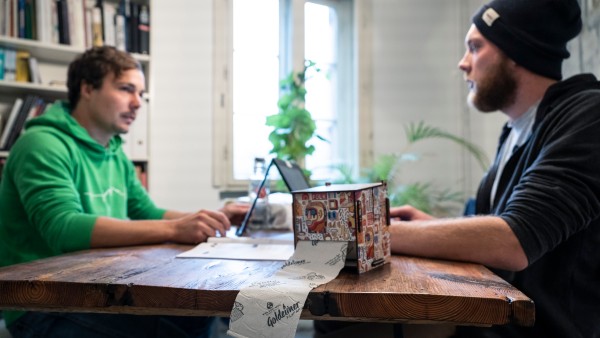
272, 307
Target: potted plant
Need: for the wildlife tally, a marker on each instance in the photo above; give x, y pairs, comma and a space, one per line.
293, 126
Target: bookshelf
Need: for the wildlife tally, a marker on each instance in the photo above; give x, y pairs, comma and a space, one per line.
19, 88
52, 61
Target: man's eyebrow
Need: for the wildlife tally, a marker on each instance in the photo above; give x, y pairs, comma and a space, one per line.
125, 83
472, 40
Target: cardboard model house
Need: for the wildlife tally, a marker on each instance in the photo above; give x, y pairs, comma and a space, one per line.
356, 213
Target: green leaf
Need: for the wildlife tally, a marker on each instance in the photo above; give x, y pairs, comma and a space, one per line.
293, 126
346, 172
422, 195
421, 131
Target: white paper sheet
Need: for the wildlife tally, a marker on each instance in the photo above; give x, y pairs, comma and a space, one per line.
245, 248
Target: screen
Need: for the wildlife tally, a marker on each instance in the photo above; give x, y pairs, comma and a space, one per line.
292, 175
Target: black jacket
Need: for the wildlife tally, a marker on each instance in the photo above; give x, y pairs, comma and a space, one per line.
549, 194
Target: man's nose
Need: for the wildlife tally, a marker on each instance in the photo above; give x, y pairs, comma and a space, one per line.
136, 102
465, 63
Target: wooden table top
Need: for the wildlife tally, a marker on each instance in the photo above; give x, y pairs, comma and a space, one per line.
150, 280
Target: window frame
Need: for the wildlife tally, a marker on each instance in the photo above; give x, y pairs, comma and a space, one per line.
358, 68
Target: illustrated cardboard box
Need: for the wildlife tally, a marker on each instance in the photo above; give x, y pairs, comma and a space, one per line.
356, 213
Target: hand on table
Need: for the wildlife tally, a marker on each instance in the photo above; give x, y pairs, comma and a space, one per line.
197, 227
235, 211
408, 213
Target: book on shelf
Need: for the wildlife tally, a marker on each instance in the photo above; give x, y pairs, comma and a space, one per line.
54, 30
96, 28
22, 66
62, 10
10, 121
100, 4
23, 110
144, 30
109, 11
29, 18
2, 17
43, 17
120, 31
38, 108
1, 63
34, 70
125, 11
76, 11
133, 44
14, 23
19, 122
21, 18
10, 64
87, 23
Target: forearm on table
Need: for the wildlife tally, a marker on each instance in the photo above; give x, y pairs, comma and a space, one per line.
110, 232
486, 240
172, 214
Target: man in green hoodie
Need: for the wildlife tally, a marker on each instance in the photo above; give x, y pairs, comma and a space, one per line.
67, 185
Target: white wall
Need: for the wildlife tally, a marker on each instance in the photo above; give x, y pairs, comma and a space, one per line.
181, 105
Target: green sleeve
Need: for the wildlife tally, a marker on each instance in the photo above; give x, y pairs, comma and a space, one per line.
50, 199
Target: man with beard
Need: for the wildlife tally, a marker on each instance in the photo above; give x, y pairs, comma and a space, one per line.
537, 217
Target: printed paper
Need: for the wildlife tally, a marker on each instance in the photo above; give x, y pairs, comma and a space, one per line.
272, 307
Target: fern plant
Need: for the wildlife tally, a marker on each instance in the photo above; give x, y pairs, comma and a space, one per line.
422, 195
419, 131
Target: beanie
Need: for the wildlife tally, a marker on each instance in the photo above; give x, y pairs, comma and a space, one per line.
533, 33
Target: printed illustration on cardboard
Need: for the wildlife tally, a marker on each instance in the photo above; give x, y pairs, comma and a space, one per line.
356, 213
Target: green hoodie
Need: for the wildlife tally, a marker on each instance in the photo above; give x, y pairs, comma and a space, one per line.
57, 180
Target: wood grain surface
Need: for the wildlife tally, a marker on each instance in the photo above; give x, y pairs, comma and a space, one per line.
151, 280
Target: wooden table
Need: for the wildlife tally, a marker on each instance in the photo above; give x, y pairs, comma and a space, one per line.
150, 280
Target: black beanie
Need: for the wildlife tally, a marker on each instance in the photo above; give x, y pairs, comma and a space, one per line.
533, 33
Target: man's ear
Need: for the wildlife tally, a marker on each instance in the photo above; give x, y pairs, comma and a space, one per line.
85, 90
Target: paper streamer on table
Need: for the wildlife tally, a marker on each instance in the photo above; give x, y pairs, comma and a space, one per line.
271, 307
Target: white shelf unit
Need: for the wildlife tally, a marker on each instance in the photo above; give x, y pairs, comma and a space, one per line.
52, 52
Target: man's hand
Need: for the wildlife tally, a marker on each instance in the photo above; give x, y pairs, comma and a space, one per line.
408, 213
197, 227
235, 212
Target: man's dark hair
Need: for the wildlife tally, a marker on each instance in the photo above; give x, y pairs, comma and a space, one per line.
93, 65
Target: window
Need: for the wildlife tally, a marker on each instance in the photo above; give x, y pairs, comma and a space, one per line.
259, 42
